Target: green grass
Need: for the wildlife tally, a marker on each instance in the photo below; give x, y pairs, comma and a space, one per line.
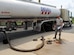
73, 20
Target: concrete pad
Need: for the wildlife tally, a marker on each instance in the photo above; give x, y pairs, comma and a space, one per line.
66, 48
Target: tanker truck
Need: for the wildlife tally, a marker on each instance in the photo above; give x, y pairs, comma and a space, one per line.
40, 17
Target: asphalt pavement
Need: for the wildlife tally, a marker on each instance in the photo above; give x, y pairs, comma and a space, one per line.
20, 33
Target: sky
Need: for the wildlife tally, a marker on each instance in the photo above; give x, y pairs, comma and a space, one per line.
67, 4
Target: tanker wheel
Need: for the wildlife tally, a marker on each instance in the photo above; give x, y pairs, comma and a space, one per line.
70, 25
45, 28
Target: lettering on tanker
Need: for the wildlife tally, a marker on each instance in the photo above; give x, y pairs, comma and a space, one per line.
45, 10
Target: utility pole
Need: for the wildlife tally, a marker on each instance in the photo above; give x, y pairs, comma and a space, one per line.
39, 1
61, 11
71, 14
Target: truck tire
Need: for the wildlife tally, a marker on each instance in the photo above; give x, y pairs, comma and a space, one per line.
47, 27
70, 25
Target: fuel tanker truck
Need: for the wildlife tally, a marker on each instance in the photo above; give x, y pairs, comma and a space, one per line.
40, 17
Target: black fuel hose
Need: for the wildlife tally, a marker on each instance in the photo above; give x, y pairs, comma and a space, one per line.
22, 50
